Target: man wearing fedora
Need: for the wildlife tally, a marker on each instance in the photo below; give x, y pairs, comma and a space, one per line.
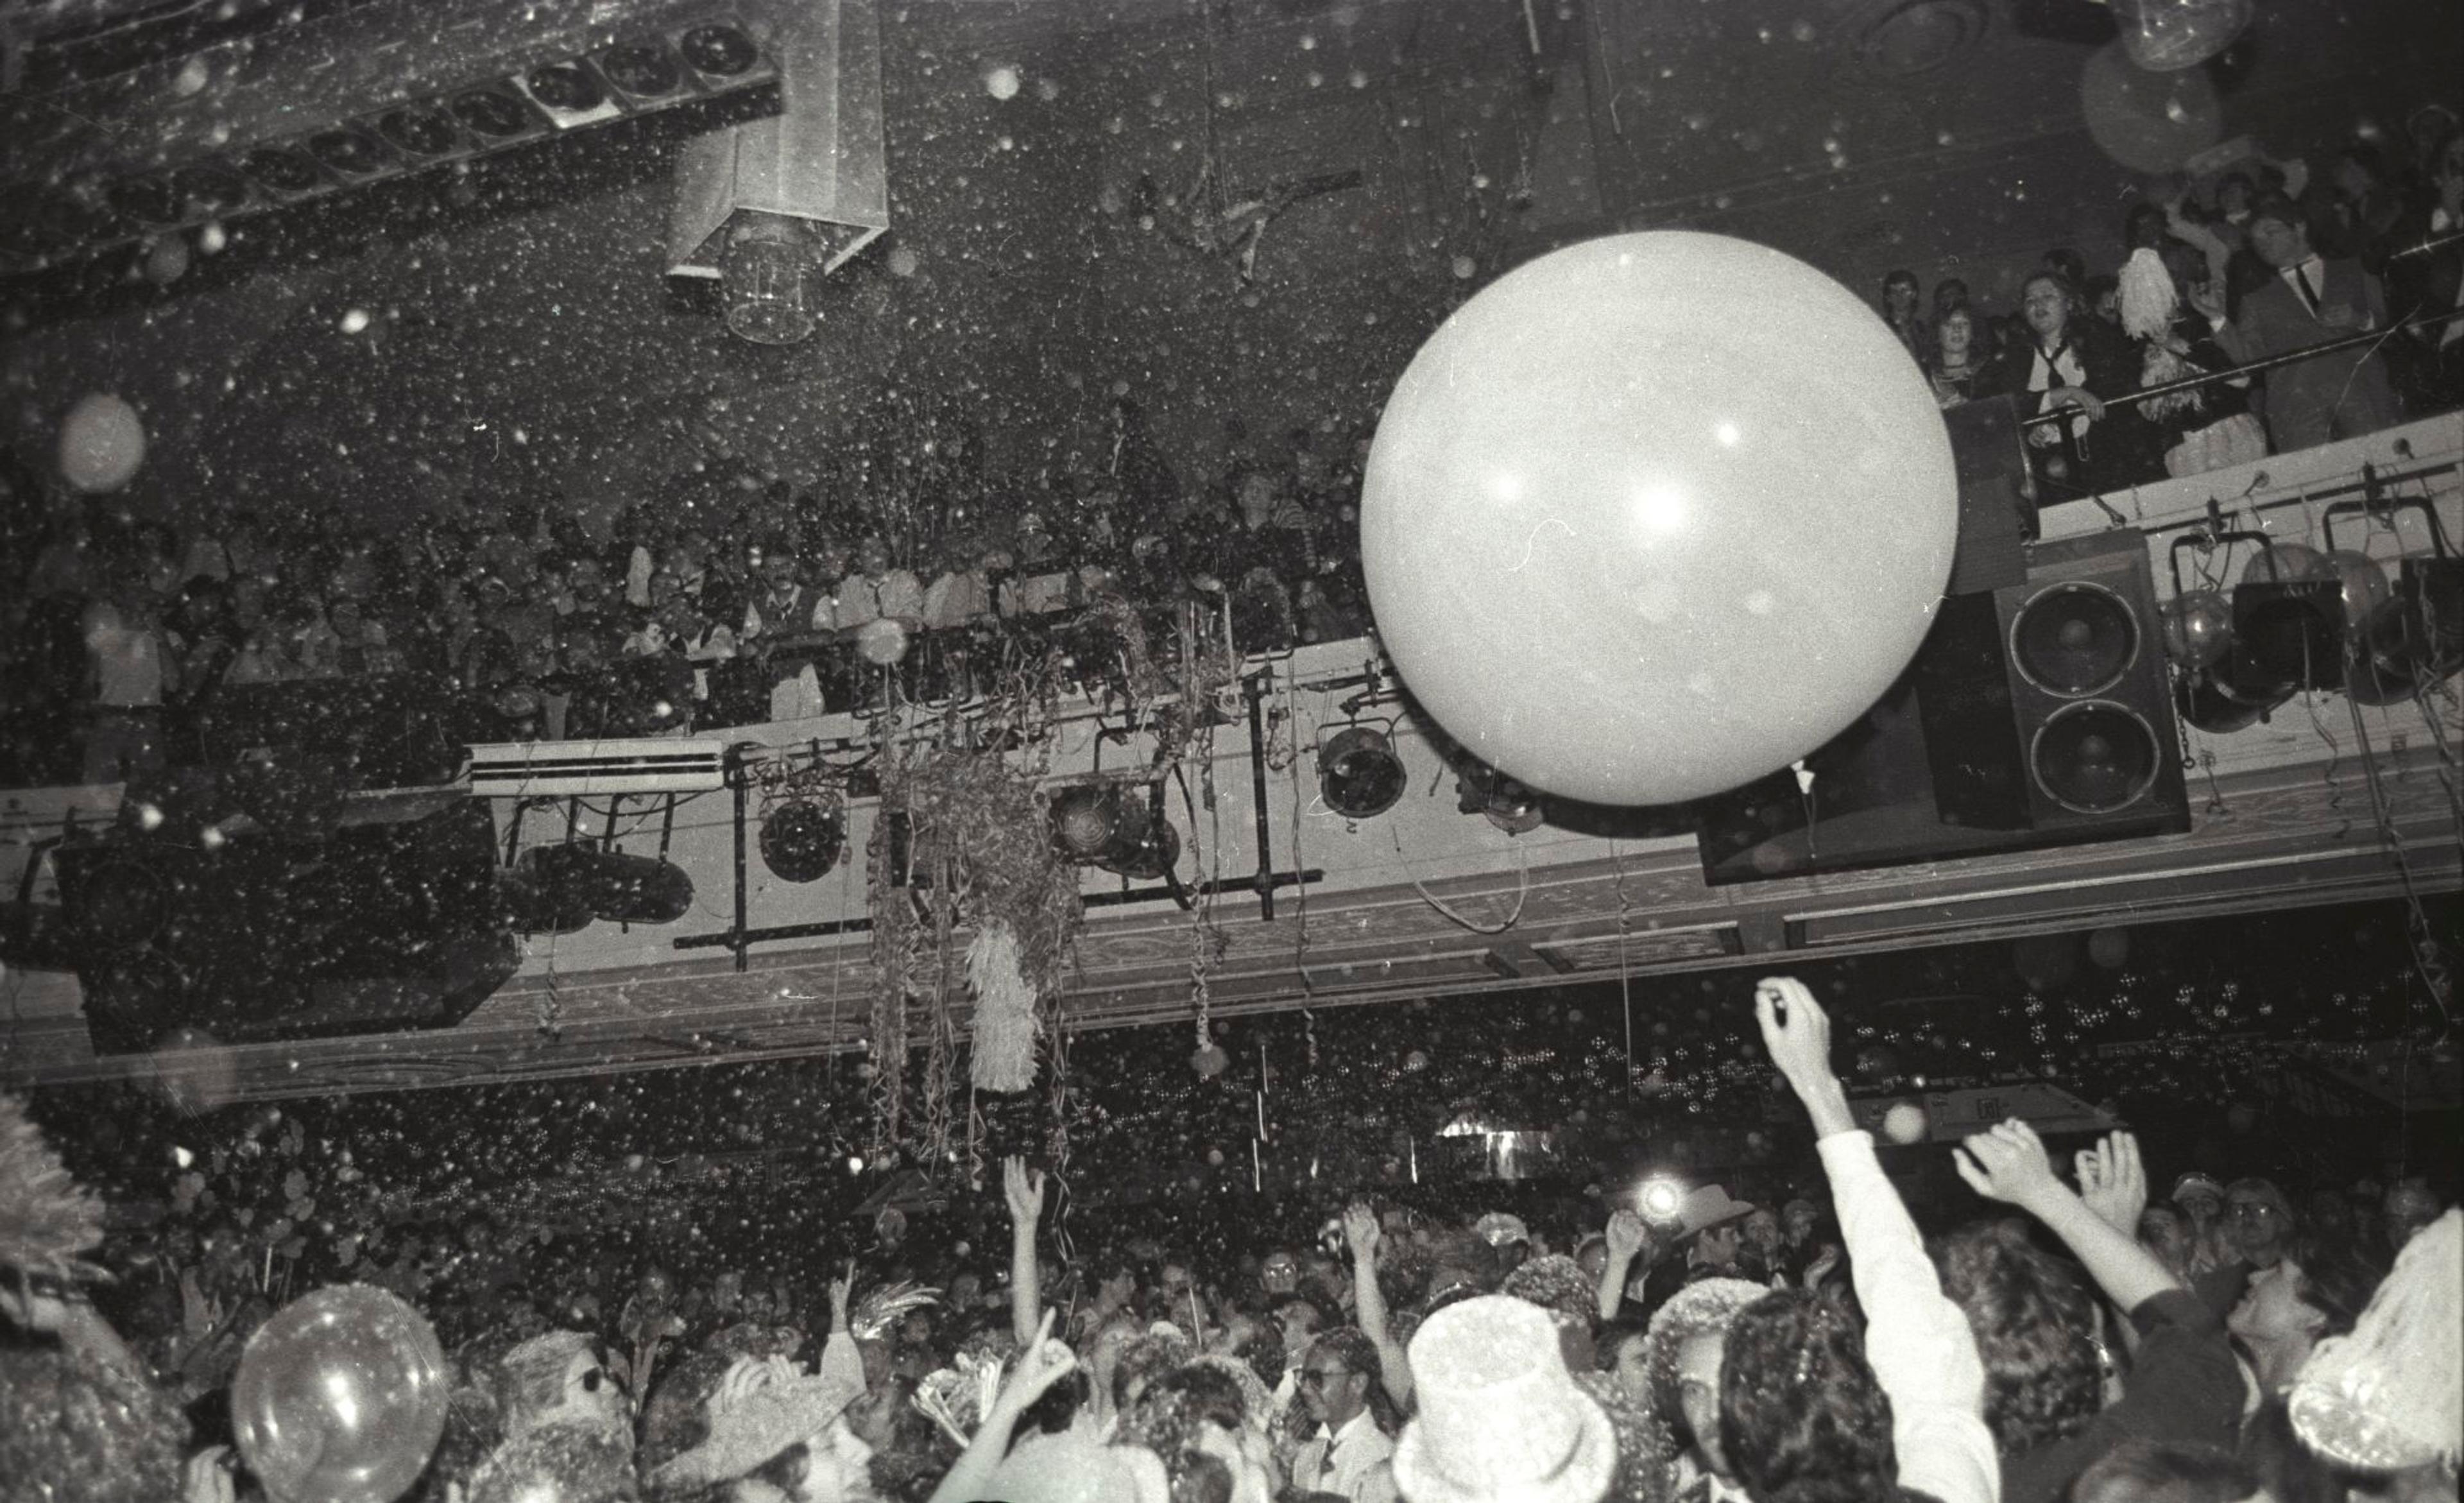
1710, 1231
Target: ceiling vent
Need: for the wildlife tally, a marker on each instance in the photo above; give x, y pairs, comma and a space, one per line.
340, 98
1903, 38
765, 206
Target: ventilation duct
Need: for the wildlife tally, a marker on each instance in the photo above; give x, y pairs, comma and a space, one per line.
763, 208
156, 132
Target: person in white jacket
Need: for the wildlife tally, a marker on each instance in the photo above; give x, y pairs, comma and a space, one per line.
1916, 1349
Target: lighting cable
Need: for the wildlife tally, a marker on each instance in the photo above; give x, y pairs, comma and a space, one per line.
1522, 889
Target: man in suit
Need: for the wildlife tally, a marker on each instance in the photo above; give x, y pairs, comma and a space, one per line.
2426, 277
2311, 300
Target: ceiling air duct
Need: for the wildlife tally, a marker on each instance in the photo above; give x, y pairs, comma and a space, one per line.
181, 115
763, 208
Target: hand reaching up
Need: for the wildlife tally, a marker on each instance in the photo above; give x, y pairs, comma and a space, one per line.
1798, 1032
1044, 1362
1627, 1236
2114, 1183
841, 1288
1360, 1229
2007, 1163
1024, 1188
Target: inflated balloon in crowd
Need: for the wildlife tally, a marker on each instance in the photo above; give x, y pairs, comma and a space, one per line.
103, 443
340, 1397
1657, 515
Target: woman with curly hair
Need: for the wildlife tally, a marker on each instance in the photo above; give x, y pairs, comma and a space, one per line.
2038, 1326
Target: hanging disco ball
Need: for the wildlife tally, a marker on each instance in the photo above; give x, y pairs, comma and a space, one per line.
802, 840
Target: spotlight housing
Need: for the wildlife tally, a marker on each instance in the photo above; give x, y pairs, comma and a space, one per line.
1358, 773
1118, 828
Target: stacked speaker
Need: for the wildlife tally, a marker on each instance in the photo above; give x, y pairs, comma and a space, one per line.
2037, 713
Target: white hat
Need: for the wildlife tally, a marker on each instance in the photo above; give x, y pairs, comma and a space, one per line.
1707, 1207
783, 1406
2385, 1397
1500, 1416
1499, 1230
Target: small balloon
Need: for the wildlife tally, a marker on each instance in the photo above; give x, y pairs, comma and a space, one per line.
167, 260
102, 442
2109, 948
1905, 1123
1209, 1061
881, 642
340, 1398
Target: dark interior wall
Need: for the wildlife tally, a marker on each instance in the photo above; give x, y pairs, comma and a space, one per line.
1058, 246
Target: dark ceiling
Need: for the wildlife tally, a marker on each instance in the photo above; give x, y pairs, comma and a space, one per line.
1046, 249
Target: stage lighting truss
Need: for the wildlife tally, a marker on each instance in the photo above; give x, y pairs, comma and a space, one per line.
1359, 775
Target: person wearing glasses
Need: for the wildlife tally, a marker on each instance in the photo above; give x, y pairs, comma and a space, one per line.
2259, 1229
1351, 1455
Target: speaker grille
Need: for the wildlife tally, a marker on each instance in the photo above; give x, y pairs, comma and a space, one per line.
2074, 639
2095, 757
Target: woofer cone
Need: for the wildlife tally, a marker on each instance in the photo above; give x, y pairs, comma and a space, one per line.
2074, 639
2095, 757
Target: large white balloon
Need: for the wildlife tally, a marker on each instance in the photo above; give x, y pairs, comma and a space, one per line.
102, 442
1656, 515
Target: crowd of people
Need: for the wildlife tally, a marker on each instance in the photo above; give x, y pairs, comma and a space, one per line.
2079, 1339
2270, 258
724, 600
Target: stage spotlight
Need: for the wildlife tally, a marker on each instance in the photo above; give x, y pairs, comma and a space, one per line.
1658, 1200
2414, 637
556, 883
1358, 773
1117, 828
1482, 789
802, 840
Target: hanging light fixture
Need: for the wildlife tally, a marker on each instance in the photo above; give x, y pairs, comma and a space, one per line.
1121, 830
2169, 36
1358, 773
1482, 789
802, 839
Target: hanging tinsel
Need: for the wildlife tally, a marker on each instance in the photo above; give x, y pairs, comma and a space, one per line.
48, 1221
1005, 1024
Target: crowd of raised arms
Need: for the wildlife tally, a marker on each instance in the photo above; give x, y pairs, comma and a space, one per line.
2074, 1336
729, 599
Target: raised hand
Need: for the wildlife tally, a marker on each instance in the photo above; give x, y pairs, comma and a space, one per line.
1627, 1236
1795, 1029
1024, 1188
1360, 1229
2007, 1163
1798, 1032
841, 1288
2114, 1183
1044, 1362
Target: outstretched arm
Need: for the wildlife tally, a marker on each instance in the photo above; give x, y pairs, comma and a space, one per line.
1024, 1188
2008, 1164
1917, 1342
841, 1357
1627, 1237
1360, 1229
1044, 1363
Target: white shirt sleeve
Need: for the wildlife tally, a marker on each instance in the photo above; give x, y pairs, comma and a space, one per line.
1917, 1342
